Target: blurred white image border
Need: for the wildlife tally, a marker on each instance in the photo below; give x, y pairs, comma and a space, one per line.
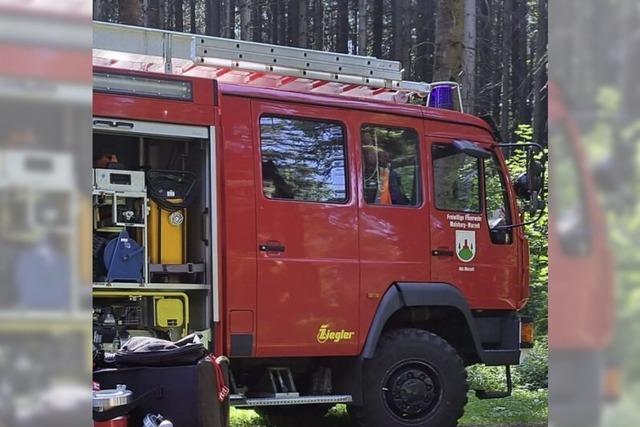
594, 282
45, 295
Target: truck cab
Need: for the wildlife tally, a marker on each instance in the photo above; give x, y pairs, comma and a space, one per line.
338, 245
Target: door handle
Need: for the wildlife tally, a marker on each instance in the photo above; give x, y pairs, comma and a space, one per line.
271, 247
113, 124
442, 252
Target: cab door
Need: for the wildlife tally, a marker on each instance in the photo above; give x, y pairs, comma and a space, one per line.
393, 215
308, 270
470, 248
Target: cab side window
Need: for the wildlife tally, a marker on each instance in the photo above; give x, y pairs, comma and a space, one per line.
497, 199
390, 172
497, 202
456, 179
303, 160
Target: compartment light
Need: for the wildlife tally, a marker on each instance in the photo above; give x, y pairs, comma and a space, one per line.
142, 86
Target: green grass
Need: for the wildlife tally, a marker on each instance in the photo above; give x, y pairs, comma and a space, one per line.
523, 409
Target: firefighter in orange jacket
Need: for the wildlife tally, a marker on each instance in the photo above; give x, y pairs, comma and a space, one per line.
382, 184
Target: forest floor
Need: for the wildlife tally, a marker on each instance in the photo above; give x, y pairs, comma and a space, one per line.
523, 409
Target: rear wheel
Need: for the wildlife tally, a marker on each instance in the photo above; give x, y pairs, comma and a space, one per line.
415, 379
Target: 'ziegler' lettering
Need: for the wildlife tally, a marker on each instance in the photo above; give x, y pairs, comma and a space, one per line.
325, 335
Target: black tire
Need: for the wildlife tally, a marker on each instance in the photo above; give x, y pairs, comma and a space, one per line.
294, 416
415, 379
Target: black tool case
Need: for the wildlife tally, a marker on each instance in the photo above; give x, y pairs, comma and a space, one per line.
186, 395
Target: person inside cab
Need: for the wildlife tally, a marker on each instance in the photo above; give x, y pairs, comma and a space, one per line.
382, 185
273, 184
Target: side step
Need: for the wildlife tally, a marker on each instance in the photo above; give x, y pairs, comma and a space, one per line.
240, 401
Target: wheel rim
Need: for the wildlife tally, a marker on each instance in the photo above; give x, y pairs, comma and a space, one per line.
411, 390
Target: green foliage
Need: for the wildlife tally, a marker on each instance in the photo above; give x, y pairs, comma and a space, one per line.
537, 234
523, 408
533, 372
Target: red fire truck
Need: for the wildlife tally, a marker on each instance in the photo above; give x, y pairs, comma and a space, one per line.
337, 243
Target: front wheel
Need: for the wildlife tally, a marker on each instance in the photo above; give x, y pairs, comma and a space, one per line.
415, 379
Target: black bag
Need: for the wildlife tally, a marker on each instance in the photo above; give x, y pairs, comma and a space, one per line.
186, 395
147, 351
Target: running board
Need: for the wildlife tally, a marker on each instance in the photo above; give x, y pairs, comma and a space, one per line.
239, 401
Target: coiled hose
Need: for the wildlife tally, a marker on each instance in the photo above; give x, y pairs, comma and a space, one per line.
172, 190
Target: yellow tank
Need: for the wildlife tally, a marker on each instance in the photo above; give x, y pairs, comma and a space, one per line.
167, 231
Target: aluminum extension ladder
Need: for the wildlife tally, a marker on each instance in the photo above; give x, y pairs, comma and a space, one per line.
182, 53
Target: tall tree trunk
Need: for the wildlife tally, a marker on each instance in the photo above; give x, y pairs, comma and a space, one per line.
98, 10
520, 82
275, 20
425, 33
353, 27
178, 14
292, 22
449, 35
258, 20
396, 19
469, 57
129, 12
282, 22
153, 14
318, 25
540, 77
192, 16
246, 30
212, 17
229, 27
505, 98
303, 24
363, 18
407, 40
496, 58
163, 14
377, 27
342, 34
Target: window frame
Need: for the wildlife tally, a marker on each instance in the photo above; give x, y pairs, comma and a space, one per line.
481, 207
421, 186
506, 198
345, 150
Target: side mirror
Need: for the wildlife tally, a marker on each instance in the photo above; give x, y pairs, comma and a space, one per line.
530, 181
471, 149
528, 186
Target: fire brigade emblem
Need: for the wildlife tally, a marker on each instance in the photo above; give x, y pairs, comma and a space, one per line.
465, 245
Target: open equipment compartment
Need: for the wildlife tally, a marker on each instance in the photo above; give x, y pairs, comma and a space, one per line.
152, 230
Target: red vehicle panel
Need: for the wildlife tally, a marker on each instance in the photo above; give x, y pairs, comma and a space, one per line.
487, 280
239, 214
198, 111
314, 282
393, 240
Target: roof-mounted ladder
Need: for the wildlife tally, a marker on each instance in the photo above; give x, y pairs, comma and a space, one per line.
124, 46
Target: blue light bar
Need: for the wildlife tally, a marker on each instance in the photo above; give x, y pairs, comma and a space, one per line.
442, 96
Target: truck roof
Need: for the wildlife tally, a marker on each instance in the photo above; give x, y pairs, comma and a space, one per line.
352, 102
274, 72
